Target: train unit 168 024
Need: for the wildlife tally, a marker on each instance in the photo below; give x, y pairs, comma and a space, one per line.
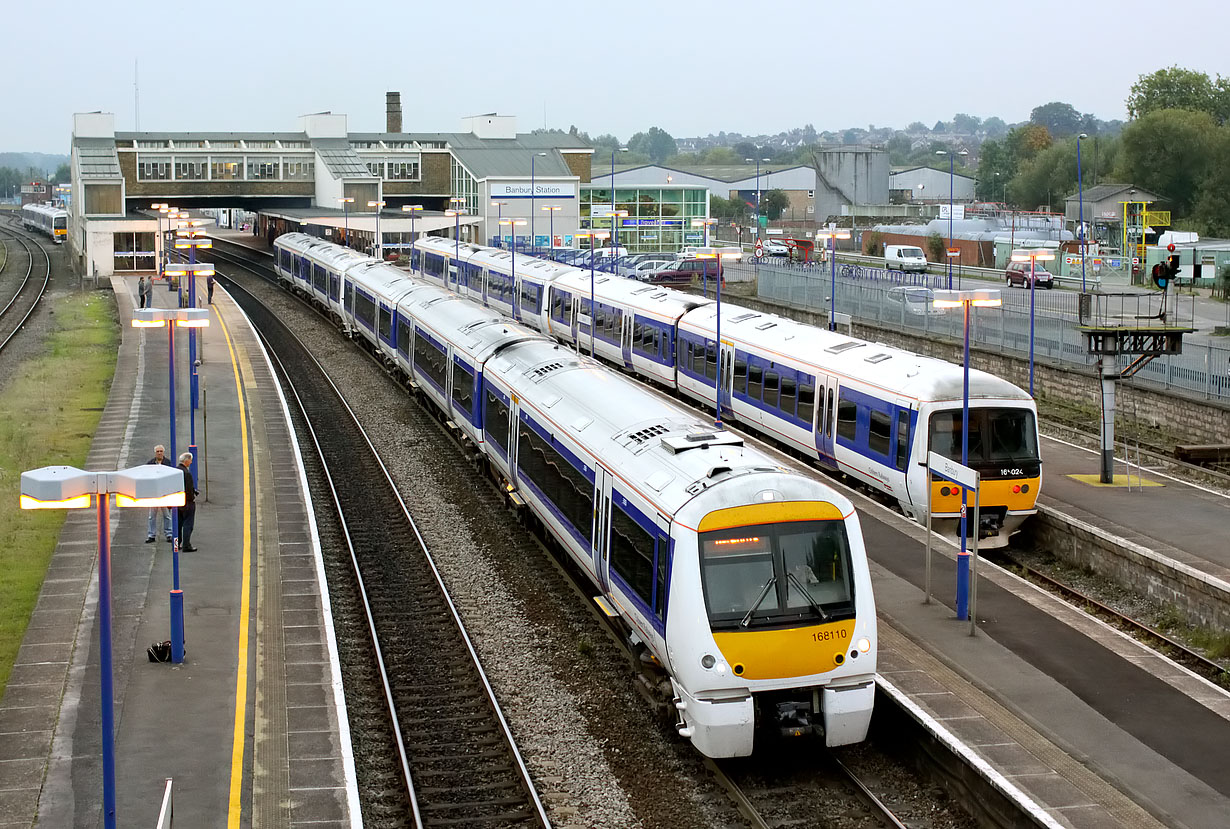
869, 411
51, 221
746, 581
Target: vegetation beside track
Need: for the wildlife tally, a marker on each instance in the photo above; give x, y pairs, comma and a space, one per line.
49, 410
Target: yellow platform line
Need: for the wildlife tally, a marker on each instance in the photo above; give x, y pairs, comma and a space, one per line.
1120, 481
235, 808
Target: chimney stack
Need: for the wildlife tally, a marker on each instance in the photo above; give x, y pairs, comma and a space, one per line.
392, 111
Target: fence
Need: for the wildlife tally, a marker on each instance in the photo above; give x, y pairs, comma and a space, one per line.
899, 301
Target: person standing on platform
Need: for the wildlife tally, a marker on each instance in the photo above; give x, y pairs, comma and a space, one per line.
209, 283
142, 291
151, 528
187, 513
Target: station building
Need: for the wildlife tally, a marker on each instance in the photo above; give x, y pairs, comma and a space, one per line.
321, 178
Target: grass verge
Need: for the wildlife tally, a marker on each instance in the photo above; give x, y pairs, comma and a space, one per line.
49, 410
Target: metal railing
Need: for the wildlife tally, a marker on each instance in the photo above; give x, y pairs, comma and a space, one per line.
901, 302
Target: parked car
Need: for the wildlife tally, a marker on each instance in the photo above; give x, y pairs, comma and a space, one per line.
916, 300
772, 247
1018, 273
684, 271
640, 269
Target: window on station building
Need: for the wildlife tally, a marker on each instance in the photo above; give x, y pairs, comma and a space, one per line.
153, 168
402, 170
298, 169
294, 145
259, 169
225, 169
224, 145
260, 145
191, 169
133, 251
151, 145
376, 168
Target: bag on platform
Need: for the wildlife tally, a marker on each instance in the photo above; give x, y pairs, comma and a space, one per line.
159, 651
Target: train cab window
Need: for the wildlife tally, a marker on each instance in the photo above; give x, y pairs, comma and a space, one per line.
789, 394
903, 439
463, 389
771, 381
632, 553
740, 384
880, 433
814, 556
495, 420
807, 403
403, 337
711, 360
755, 381
847, 419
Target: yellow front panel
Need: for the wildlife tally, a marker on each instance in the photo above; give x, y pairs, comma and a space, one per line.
994, 494
773, 512
777, 654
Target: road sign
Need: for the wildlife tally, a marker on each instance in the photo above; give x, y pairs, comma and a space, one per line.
759, 251
1135, 260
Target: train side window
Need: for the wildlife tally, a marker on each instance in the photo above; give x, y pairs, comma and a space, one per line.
495, 420
403, 337
711, 360
632, 553
807, 402
880, 433
771, 381
698, 358
463, 389
663, 566
847, 419
755, 381
740, 374
903, 439
386, 323
789, 393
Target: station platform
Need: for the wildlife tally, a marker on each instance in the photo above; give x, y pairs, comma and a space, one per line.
251, 728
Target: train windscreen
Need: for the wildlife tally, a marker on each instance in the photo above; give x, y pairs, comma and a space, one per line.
996, 435
770, 575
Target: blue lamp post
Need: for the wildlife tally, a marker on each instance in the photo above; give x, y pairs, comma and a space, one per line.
1031, 256
704, 272
833, 234
533, 195
191, 238
1080, 205
756, 209
964, 300
499, 206
512, 226
346, 202
65, 487
379, 205
456, 213
414, 210
718, 254
593, 310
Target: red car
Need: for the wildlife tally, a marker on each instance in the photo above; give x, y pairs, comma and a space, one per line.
1018, 273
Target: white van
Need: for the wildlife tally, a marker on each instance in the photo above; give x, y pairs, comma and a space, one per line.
905, 258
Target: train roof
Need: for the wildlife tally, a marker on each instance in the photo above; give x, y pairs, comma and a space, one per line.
655, 299
667, 452
45, 210
894, 370
386, 280
333, 256
476, 331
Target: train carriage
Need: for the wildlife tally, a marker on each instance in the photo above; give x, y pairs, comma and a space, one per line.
314, 267
370, 293
48, 220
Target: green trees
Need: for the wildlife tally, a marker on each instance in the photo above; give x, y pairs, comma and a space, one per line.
1178, 88
773, 203
1168, 151
1059, 119
656, 143
937, 248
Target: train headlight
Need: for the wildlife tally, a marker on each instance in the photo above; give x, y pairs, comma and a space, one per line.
864, 644
708, 661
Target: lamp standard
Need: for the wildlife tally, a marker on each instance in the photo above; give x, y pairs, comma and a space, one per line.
346, 202
949, 153
65, 487
756, 213
499, 206
622, 150
551, 210
413, 210
162, 208
1080, 206
704, 282
1031, 256
593, 311
172, 318
379, 205
456, 214
833, 234
965, 300
192, 238
512, 226
718, 254
533, 195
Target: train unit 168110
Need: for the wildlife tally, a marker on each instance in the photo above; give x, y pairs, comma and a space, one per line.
747, 582
866, 410
51, 221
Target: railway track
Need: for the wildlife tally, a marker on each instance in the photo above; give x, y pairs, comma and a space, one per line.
31, 285
456, 760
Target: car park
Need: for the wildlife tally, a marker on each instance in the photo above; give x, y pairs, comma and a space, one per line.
1018, 273
684, 272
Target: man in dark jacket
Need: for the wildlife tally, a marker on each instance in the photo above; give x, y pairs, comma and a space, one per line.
152, 526
187, 513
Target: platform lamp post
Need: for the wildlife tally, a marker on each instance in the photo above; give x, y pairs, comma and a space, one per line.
456, 213
499, 216
551, 210
980, 298
66, 487
379, 205
1031, 256
533, 195
192, 238
162, 208
414, 210
718, 254
346, 202
512, 225
949, 153
616, 215
704, 280
1080, 206
613, 151
833, 234
593, 235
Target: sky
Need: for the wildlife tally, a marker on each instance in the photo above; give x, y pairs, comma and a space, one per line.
688, 67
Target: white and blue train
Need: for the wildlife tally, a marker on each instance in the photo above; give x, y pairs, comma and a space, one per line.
46, 219
863, 409
747, 582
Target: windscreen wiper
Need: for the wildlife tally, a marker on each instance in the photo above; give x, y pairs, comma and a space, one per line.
764, 591
824, 617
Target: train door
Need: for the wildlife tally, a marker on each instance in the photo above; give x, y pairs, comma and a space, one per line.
726, 373
626, 339
516, 298
486, 278
599, 545
826, 416
901, 449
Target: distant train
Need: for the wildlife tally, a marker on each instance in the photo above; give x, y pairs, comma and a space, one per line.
49, 220
864, 409
746, 581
